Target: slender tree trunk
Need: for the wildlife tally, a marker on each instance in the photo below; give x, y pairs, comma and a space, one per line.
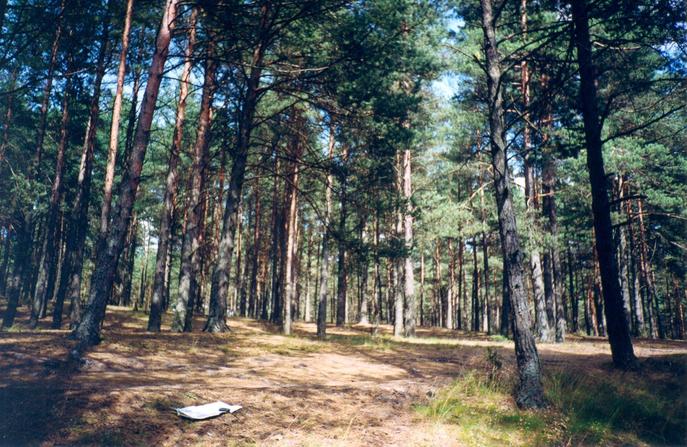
450, 300
647, 276
88, 331
253, 294
171, 184
7, 246
422, 289
326, 224
295, 152
72, 266
307, 305
638, 311
475, 288
618, 330
552, 269
114, 128
47, 272
191, 247
342, 277
220, 275
278, 247
409, 288
572, 292
529, 392
377, 293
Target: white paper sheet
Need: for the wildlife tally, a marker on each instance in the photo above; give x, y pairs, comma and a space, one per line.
199, 412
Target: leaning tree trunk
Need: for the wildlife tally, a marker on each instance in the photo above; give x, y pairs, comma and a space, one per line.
171, 184
529, 392
88, 331
618, 330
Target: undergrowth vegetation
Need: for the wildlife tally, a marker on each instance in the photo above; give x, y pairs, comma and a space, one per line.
585, 409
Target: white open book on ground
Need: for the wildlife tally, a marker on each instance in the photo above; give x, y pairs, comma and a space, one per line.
207, 411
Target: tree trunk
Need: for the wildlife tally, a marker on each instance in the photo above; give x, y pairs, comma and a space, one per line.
647, 275
618, 330
422, 288
171, 184
253, 293
450, 300
529, 392
475, 288
295, 152
88, 331
114, 127
409, 288
637, 305
191, 247
72, 266
552, 262
47, 272
220, 276
342, 276
326, 224
505, 328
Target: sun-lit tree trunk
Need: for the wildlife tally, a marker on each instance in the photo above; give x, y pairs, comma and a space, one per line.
191, 246
171, 184
529, 391
342, 266
88, 331
77, 226
618, 330
114, 127
326, 224
295, 151
451, 292
409, 283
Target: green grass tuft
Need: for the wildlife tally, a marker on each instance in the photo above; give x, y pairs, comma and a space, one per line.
585, 410
600, 411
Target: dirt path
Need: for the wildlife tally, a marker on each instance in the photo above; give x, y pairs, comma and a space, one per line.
350, 390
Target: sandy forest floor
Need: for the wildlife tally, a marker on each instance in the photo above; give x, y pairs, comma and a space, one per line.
352, 389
